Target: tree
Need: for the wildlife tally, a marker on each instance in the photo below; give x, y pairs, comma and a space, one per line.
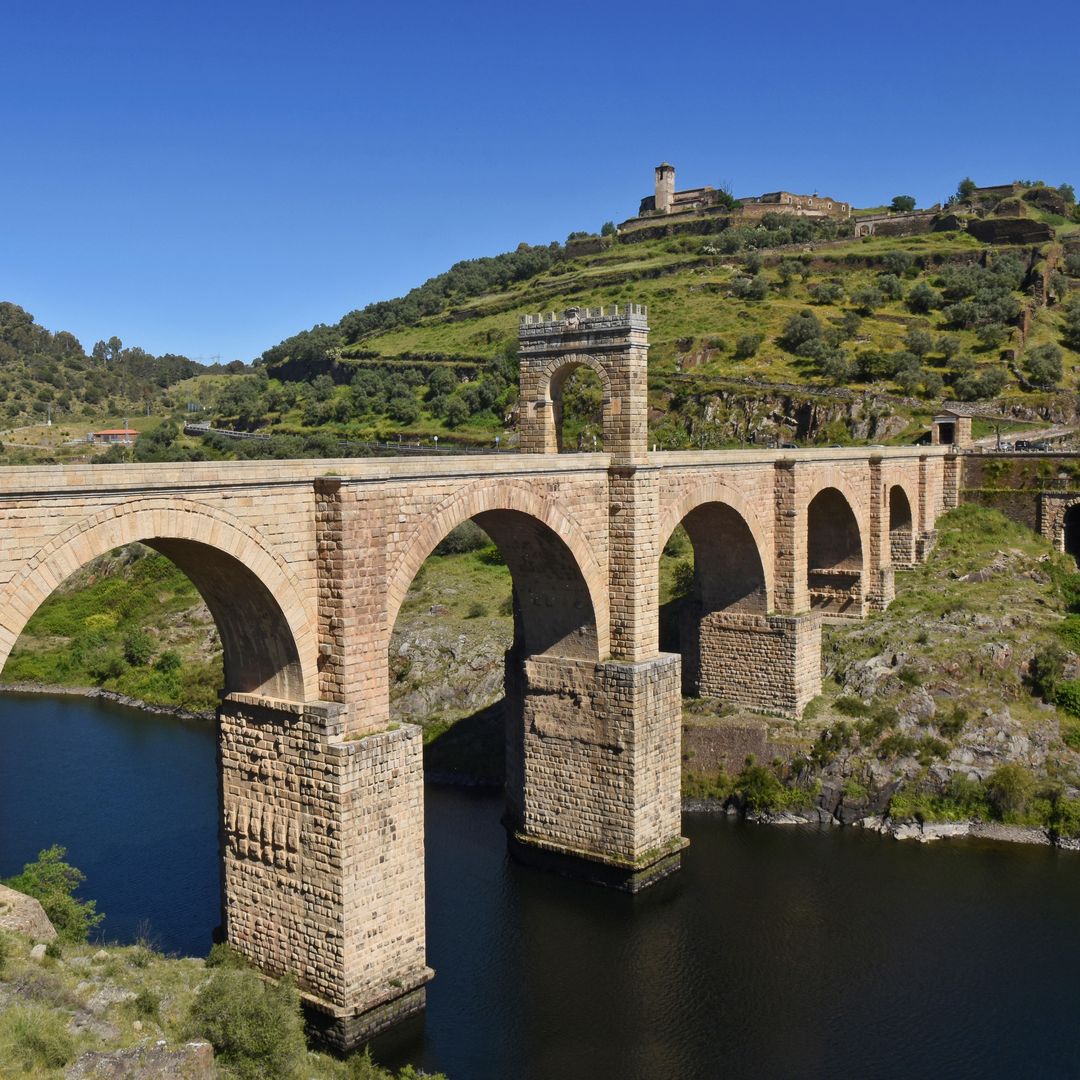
1067, 192
992, 335
1043, 365
965, 189
799, 331
1071, 331
53, 882
457, 412
608, 229
902, 204
923, 299
891, 287
866, 299
919, 340
826, 292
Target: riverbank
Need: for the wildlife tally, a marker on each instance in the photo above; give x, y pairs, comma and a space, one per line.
922, 831
102, 694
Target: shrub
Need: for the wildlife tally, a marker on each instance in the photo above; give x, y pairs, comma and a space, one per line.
760, 788
491, 556
950, 726
53, 882
138, 648
477, 610
747, 345
992, 335
1071, 330
255, 1027
851, 706
826, 292
5, 948
1067, 696
1045, 671
891, 287
146, 1004
168, 662
866, 299
468, 536
33, 1038
1009, 787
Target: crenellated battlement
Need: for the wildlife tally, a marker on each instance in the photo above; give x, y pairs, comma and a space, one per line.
615, 314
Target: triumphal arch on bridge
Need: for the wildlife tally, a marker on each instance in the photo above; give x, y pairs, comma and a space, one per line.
304, 566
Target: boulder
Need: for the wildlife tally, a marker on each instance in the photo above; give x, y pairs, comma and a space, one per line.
24, 915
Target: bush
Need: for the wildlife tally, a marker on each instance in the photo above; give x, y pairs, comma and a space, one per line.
1045, 671
747, 345
1071, 330
1043, 364
255, 1027
827, 292
902, 203
1009, 787
53, 882
866, 299
922, 299
33, 1038
477, 610
5, 948
1067, 696
799, 331
468, 536
138, 648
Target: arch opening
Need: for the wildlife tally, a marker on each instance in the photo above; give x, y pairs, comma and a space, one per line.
499, 589
712, 575
901, 531
581, 409
834, 554
258, 651
1071, 528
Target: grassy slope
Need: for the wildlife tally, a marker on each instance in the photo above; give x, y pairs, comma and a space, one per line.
50, 1012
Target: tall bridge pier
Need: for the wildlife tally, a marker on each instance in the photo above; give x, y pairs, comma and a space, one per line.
304, 566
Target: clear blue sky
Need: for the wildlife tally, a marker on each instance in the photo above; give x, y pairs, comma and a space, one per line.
208, 178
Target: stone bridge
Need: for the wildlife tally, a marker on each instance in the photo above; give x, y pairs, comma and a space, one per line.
304, 565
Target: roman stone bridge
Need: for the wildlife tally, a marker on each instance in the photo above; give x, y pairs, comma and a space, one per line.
304, 565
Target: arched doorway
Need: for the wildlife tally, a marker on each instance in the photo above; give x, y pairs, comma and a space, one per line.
834, 555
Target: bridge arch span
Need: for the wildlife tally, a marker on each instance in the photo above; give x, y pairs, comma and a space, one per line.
266, 632
513, 515
837, 544
721, 495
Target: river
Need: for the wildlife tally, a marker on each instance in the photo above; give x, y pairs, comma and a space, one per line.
776, 952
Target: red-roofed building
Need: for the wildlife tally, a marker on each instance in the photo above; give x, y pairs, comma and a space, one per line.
123, 436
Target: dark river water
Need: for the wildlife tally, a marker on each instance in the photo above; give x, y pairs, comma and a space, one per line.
777, 952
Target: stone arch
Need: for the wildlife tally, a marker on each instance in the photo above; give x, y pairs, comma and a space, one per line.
901, 527
526, 528
740, 512
266, 632
835, 553
552, 379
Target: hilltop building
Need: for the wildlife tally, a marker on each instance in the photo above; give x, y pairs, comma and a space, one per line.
666, 200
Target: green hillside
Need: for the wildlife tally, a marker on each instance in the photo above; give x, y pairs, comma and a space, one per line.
792, 307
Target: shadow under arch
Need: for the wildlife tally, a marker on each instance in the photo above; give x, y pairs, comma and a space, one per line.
901, 528
729, 582
834, 554
254, 601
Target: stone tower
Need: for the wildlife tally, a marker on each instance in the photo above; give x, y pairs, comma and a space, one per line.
665, 187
